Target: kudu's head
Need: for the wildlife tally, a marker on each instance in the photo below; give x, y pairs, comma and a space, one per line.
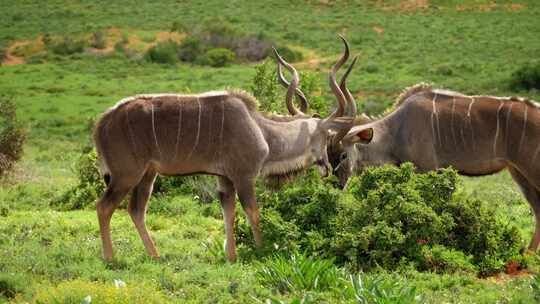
345, 147
323, 130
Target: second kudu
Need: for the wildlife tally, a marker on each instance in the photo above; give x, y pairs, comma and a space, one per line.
477, 135
218, 133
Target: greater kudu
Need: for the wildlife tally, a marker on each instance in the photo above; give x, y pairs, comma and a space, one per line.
217, 133
432, 128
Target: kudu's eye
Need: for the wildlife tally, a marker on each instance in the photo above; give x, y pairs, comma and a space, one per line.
343, 156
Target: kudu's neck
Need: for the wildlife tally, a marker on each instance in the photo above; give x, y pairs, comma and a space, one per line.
289, 144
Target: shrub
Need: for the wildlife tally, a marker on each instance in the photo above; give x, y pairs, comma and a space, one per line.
289, 54
179, 27
252, 48
12, 135
121, 45
266, 88
219, 57
163, 52
90, 185
3, 53
526, 78
11, 285
99, 40
219, 34
390, 217
440, 259
65, 45
89, 188
535, 286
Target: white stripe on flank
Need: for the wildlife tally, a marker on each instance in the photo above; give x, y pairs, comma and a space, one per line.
198, 129
452, 120
508, 124
470, 107
470, 123
180, 106
497, 131
154, 131
436, 117
524, 128
131, 136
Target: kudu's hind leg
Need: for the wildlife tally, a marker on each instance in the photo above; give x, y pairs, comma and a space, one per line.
105, 208
246, 193
533, 197
227, 196
137, 210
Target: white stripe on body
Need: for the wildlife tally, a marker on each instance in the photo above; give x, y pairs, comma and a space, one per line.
198, 130
497, 131
452, 120
154, 131
508, 113
180, 110
524, 128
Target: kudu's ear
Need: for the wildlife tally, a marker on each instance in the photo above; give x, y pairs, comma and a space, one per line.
359, 135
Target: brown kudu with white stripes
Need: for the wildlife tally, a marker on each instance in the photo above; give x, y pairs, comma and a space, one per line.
477, 135
216, 133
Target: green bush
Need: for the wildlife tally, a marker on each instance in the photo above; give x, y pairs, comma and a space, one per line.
217, 33
190, 49
163, 52
271, 95
526, 78
440, 259
90, 185
3, 53
89, 188
266, 89
289, 54
99, 40
12, 135
219, 57
535, 286
179, 27
11, 285
65, 45
389, 217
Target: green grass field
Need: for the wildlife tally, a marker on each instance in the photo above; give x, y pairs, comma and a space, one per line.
50, 256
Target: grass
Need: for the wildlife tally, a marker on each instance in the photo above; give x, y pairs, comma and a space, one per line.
46, 255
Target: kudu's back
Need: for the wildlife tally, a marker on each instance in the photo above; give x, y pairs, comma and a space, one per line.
212, 133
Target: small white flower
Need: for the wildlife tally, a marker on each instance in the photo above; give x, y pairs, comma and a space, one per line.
119, 283
87, 300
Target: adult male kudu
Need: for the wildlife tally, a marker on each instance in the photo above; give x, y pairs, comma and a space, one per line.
432, 128
217, 133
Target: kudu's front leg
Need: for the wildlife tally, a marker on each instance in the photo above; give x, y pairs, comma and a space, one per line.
246, 193
533, 197
227, 196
